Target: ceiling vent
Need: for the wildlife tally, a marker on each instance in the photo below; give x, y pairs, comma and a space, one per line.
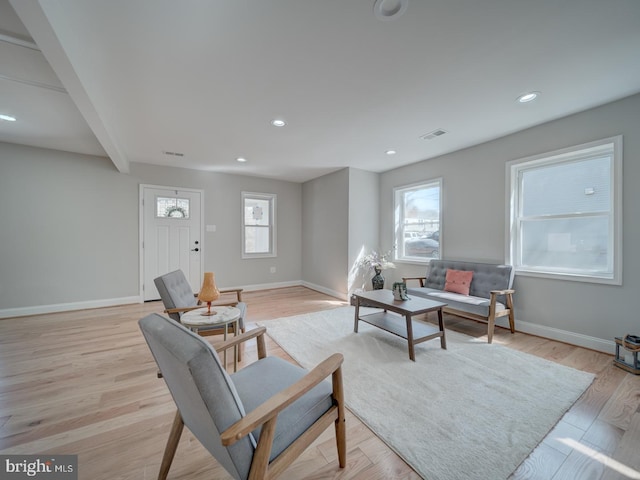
173, 154
431, 135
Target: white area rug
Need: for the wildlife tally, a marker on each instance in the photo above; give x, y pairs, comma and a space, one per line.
473, 411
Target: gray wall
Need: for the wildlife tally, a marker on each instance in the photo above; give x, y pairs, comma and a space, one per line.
475, 215
325, 232
340, 221
363, 223
222, 207
70, 229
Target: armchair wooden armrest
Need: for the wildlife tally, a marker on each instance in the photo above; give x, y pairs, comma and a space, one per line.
223, 304
421, 279
182, 309
257, 333
237, 291
229, 303
270, 409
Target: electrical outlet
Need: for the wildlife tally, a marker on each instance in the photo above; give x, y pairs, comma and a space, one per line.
272, 269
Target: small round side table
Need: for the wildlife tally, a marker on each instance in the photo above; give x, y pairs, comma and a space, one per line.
225, 316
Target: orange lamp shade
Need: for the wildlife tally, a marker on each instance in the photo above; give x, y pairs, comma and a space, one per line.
208, 292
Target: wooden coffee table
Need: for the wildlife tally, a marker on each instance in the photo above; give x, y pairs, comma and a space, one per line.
413, 332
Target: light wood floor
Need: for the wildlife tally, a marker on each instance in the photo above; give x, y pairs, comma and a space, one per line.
85, 383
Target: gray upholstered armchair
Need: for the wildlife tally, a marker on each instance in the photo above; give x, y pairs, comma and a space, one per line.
255, 422
177, 296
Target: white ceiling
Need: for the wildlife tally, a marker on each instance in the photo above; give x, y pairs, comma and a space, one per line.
205, 78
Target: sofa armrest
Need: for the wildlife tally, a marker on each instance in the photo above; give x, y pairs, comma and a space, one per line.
420, 279
503, 292
494, 297
493, 312
509, 307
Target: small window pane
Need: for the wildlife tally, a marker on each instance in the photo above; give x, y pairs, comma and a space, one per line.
169, 207
573, 244
257, 239
256, 212
566, 188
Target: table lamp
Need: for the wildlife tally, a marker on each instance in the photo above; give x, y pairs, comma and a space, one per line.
208, 293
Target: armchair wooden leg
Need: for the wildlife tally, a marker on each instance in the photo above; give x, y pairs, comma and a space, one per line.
341, 438
172, 445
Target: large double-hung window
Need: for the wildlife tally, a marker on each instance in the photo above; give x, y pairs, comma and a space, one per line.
418, 218
565, 213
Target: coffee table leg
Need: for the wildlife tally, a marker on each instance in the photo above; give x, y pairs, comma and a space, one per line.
412, 354
443, 340
355, 321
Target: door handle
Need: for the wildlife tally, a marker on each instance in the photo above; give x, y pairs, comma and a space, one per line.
195, 249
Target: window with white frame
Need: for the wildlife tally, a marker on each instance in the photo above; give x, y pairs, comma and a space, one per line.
418, 218
565, 213
258, 225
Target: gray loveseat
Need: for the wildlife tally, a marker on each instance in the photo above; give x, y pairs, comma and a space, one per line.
490, 294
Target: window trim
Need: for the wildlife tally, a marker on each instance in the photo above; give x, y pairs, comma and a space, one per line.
397, 235
568, 154
271, 198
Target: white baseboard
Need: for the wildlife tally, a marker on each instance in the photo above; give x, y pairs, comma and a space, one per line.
67, 307
578, 339
327, 291
112, 302
297, 283
265, 286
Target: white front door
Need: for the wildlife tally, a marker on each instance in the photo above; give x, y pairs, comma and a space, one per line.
171, 235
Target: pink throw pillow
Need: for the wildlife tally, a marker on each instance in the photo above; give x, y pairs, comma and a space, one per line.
458, 281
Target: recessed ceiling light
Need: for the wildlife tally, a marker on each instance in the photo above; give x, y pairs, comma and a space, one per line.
390, 152
389, 9
278, 123
7, 118
528, 97
241, 159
